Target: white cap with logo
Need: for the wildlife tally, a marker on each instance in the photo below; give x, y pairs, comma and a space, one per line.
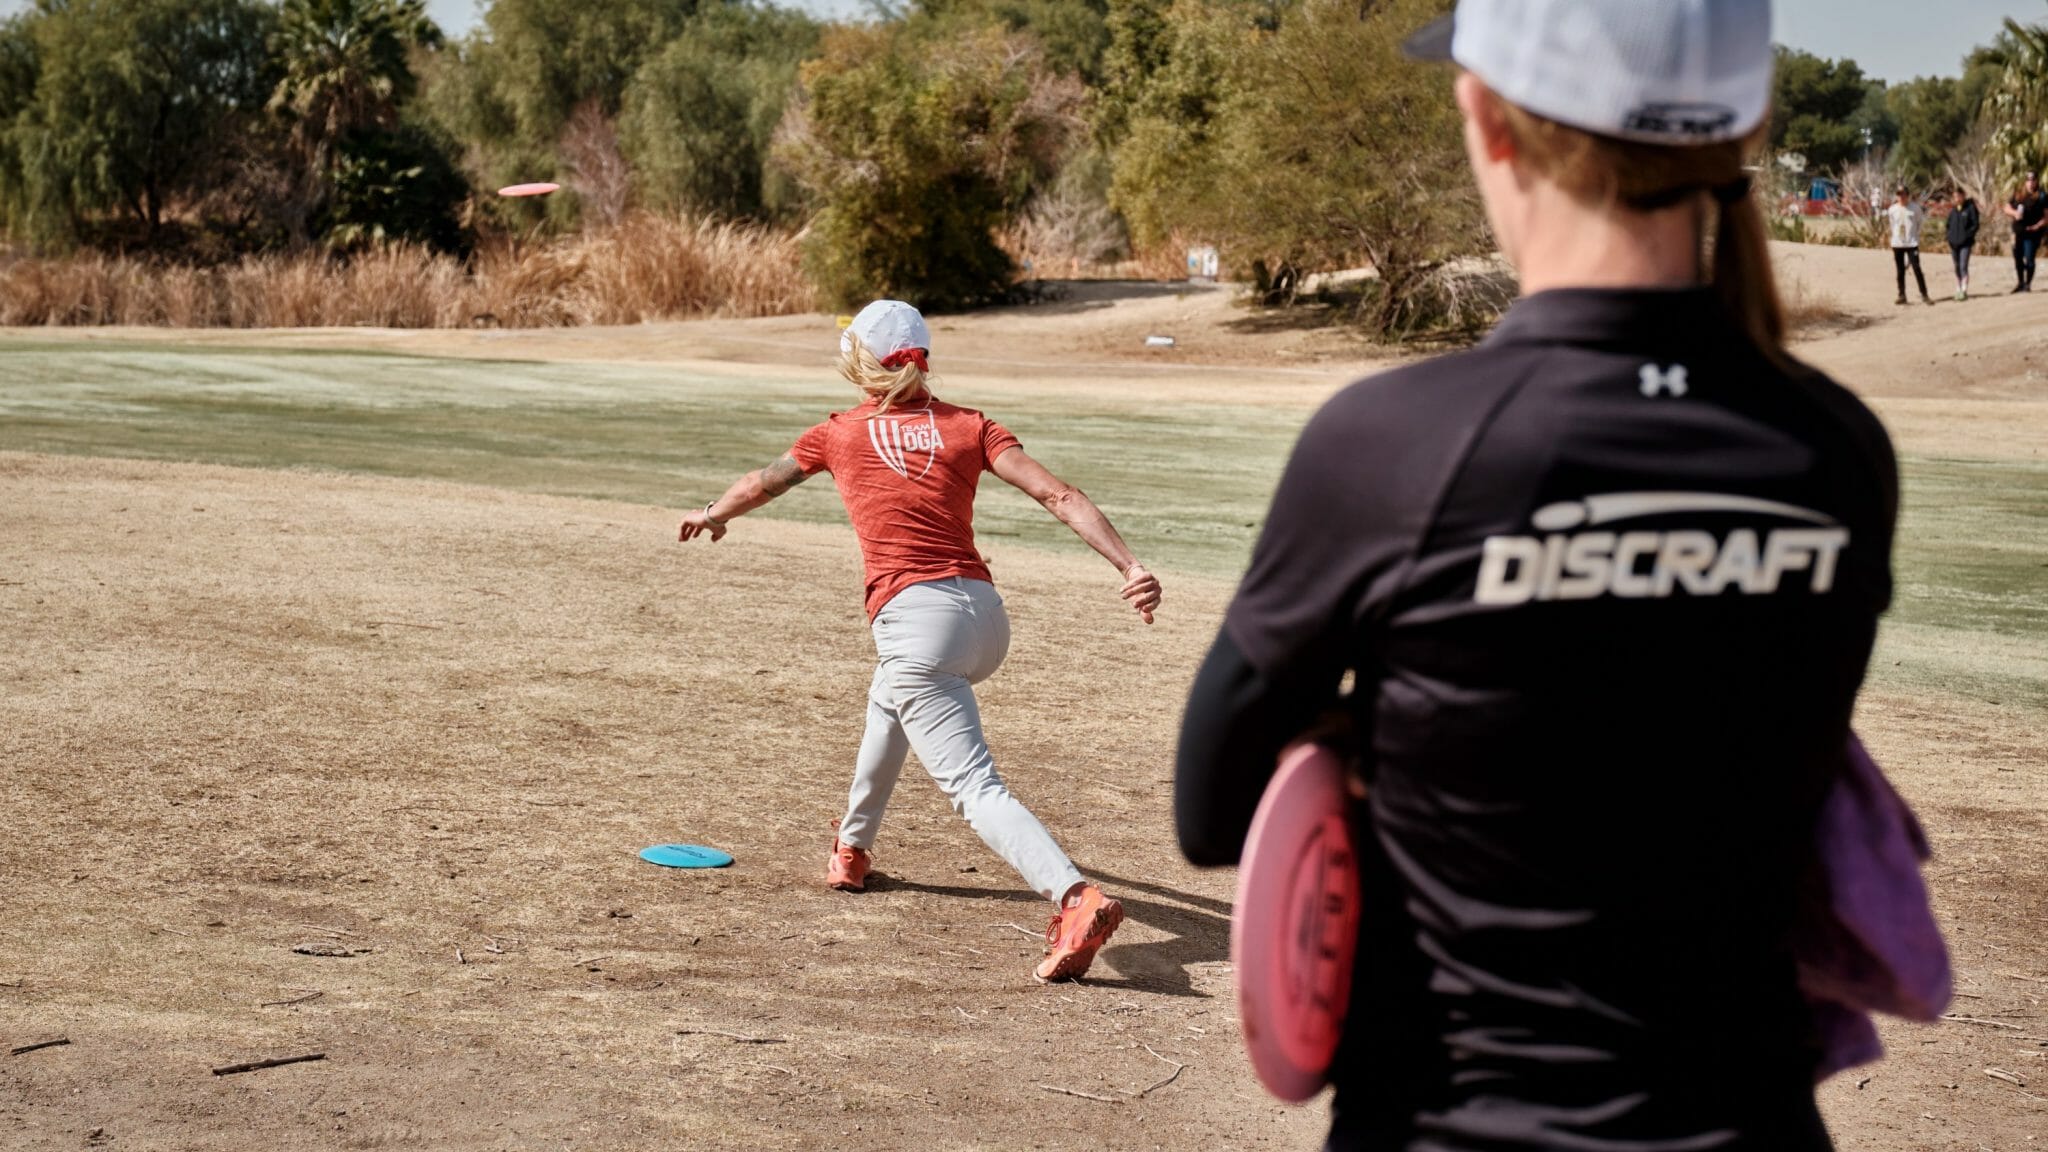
887, 327
1653, 71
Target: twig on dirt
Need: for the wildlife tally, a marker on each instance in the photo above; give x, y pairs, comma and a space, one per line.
1985, 1023
771, 1067
294, 1000
2002, 1074
1082, 1095
459, 957
10, 983
1178, 1068
174, 932
58, 1042
1020, 928
280, 1062
740, 1037
591, 960
488, 592
402, 624
329, 929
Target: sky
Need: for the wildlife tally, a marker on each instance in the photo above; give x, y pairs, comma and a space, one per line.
1893, 40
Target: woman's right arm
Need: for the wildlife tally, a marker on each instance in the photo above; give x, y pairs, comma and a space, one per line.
747, 493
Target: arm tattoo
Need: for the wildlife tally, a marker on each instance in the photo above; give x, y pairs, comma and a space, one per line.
782, 475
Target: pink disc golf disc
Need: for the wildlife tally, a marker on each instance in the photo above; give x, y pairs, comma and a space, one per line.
1294, 930
528, 189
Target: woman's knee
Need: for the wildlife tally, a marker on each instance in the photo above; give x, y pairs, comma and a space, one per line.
972, 793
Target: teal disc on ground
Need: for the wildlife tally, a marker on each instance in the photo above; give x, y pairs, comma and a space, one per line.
685, 856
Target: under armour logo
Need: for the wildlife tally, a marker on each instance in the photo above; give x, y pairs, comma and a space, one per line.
1667, 381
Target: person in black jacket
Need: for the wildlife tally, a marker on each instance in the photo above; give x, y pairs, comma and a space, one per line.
2028, 211
1963, 221
1604, 588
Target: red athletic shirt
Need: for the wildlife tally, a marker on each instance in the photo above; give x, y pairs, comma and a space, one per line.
907, 477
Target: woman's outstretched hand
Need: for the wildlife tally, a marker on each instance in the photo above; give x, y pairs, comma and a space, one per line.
1141, 588
698, 523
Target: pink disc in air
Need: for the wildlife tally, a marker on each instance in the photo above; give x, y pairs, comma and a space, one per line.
527, 189
1294, 929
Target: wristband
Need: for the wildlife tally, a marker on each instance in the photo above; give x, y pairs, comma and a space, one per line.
715, 523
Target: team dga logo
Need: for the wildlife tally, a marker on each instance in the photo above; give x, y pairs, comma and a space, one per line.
900, 441
1580, 557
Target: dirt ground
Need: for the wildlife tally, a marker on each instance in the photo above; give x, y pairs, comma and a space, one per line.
427, 726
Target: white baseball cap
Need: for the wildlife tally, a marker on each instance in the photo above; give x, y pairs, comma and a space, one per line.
887, 327
1652, 71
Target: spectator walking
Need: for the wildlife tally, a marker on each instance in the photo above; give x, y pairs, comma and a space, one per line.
1905, 218
2028, 210
1963, 220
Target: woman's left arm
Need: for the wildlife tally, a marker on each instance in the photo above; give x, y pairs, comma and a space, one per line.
747, 493
1072, 507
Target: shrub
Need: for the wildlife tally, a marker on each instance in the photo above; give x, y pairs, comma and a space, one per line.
700, 117
395, 185
915, 151
1309, 148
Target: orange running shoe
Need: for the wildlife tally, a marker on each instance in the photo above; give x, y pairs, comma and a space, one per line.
847, 870
1077, 932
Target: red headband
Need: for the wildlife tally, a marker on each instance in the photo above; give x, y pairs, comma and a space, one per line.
895, 360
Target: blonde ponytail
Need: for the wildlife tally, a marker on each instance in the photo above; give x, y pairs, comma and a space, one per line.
887, 386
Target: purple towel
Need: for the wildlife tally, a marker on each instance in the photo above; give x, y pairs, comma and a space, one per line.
1868, 941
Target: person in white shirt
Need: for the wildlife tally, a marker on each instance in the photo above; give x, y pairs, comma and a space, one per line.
1904, 217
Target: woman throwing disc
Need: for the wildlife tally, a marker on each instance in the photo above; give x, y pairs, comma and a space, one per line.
1607, 585
907, 465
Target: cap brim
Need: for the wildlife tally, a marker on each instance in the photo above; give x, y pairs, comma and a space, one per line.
1433, 42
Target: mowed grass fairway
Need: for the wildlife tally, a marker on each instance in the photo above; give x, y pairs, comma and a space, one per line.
398, 654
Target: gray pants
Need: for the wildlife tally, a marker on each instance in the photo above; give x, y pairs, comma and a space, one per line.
935, 642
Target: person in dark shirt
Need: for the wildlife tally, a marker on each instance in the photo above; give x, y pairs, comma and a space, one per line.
1605, 588
2028, 211
1963, 221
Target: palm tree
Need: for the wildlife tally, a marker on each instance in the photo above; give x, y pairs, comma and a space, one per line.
2018, 102
346, 70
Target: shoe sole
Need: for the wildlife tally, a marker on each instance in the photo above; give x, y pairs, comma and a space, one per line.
846, 885
1074, 965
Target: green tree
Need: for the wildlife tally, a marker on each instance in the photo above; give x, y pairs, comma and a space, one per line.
1173, 69
700, 117
1312, 147
131, 107
915, 151
347, 75
508, 90
1935, 114
1815, 109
